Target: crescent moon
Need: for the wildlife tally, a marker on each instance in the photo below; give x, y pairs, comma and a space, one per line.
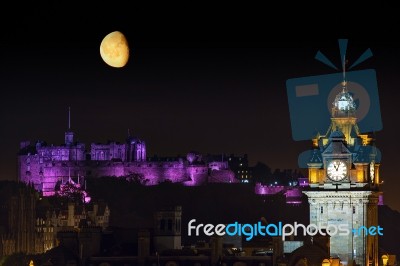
114, 49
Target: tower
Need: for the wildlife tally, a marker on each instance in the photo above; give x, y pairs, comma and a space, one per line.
135, 149
344, 185
167, 228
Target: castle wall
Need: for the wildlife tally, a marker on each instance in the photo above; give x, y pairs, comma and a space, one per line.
107, 152
61, 153
294, 195
45, 175
222, 176
261, 189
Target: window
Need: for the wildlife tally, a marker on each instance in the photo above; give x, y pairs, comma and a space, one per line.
322, 209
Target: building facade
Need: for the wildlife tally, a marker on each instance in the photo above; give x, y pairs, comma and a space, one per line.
72, 217
17, 219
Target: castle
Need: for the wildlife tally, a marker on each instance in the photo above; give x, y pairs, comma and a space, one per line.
48, 167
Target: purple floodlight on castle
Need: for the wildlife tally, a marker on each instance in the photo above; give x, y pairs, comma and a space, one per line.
303, 181
48, 167
261, 189
293, 195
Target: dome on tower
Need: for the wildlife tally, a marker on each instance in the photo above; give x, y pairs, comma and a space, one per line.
344, 101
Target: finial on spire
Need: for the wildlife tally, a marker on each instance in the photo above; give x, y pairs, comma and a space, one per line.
69, 118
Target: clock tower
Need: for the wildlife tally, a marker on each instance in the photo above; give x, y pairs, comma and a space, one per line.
344, 185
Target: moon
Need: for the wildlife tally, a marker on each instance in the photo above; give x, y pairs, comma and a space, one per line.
114, 49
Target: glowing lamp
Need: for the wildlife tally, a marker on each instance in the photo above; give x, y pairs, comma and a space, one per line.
326, 262
385, 259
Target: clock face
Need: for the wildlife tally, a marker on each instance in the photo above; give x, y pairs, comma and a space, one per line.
337, 170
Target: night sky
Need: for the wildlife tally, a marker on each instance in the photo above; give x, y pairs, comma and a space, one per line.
204, 78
